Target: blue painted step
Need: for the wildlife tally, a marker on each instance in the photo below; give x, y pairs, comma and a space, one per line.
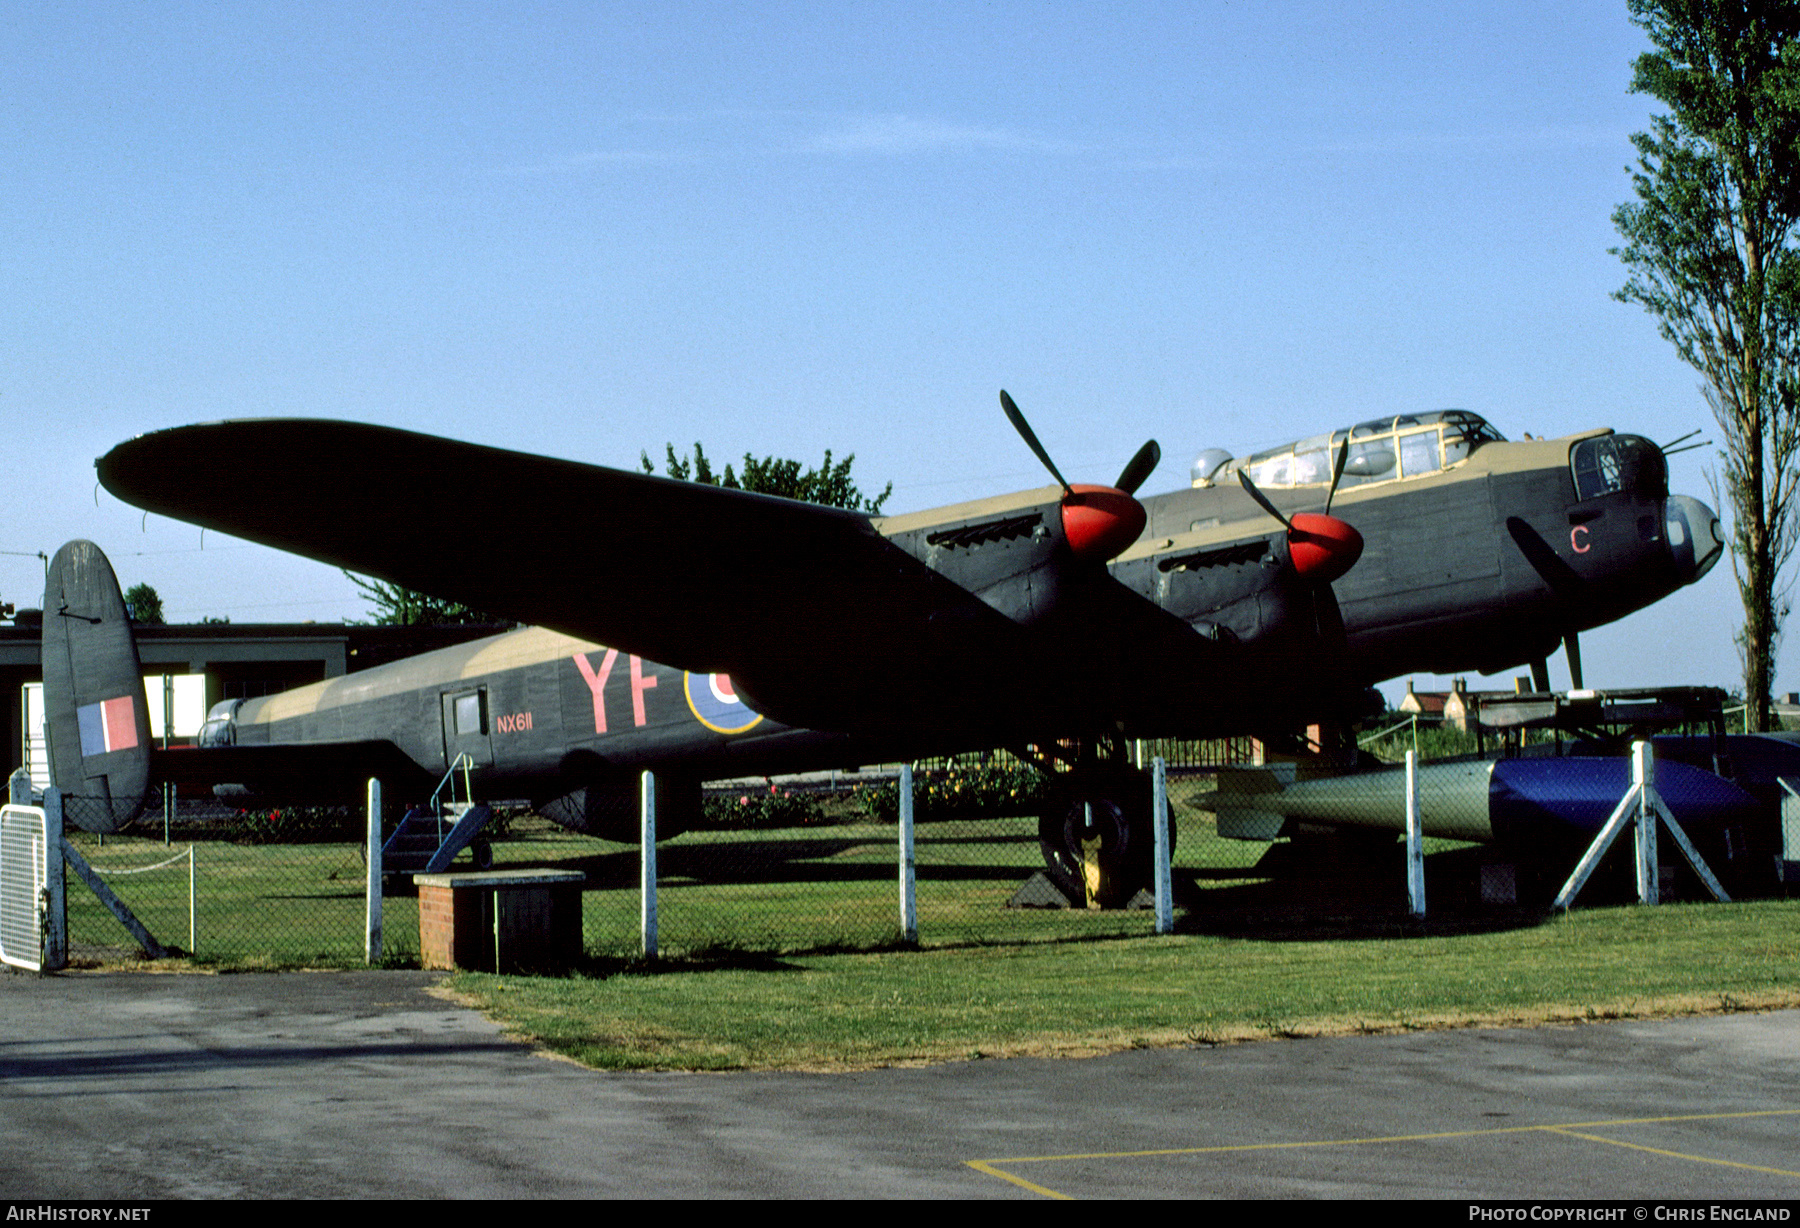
426, 842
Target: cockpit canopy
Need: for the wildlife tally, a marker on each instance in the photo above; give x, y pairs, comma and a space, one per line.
1613, 463
1380, 450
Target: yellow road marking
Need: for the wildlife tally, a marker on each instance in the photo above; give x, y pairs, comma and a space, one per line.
984, 1167
1679, 1155
1569, 1129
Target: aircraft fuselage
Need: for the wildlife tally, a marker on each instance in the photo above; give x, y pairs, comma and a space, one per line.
1481, 563
1486, 563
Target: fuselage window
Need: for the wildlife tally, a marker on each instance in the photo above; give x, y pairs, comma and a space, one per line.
1386, 456
1311, 468
1618, 462
468, 713
1369, 462
1277, 471
1418, 454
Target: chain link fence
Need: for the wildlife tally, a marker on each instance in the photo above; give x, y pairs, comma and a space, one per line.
281, 888
812, 865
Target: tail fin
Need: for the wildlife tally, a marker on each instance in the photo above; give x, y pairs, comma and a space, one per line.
94, 709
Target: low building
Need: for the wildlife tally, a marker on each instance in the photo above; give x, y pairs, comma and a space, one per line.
228, 660
1456, 707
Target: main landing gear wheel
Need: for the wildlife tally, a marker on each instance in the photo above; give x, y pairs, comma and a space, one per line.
1110, 805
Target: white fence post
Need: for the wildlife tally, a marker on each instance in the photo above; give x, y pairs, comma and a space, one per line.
909, 900
1159, 823
647, 863
372, 891
1415, 848
1643, 779
56, 898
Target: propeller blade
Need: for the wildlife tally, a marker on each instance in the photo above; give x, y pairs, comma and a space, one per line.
1139, 467
1099, 522
1262, 500
1031, 441
1337, 471
1321, 546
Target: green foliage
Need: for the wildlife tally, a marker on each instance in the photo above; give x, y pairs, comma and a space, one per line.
397, 606
760, 810
1435, 741
144, 606
830, 484
298, 825
961, 792
1710, 245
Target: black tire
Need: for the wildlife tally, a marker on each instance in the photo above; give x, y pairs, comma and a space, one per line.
1117, 800
481, 853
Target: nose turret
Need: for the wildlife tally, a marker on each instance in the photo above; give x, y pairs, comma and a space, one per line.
1694, 535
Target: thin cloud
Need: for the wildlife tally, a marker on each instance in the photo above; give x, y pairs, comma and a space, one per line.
673, 139
906, 134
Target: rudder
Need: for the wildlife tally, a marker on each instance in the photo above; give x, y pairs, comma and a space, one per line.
97, 722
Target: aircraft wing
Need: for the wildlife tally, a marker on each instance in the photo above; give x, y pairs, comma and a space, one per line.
698, 577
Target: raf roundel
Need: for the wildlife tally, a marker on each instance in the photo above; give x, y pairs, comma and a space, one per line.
715, 703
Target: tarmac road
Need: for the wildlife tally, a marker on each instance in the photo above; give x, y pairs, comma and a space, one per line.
361, 1084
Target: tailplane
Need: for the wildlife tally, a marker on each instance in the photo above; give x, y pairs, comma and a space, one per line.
94, 710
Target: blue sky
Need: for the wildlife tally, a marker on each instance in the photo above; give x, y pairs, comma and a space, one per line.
586, 230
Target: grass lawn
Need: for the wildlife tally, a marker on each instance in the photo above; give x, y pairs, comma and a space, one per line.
780, 949
826, 1011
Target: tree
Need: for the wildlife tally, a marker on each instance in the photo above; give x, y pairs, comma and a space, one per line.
1710, 245
828, 484
397, 606
144, 606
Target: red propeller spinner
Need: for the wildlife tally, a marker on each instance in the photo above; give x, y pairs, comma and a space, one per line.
1321, 546
1099, 522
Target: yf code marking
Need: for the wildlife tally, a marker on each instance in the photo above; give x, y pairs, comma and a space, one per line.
596, 680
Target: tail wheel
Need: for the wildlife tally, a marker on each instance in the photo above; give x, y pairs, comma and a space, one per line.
1103, 816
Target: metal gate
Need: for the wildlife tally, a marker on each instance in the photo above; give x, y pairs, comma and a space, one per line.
22, 878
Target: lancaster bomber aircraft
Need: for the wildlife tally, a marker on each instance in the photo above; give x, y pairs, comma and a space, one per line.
710, 633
